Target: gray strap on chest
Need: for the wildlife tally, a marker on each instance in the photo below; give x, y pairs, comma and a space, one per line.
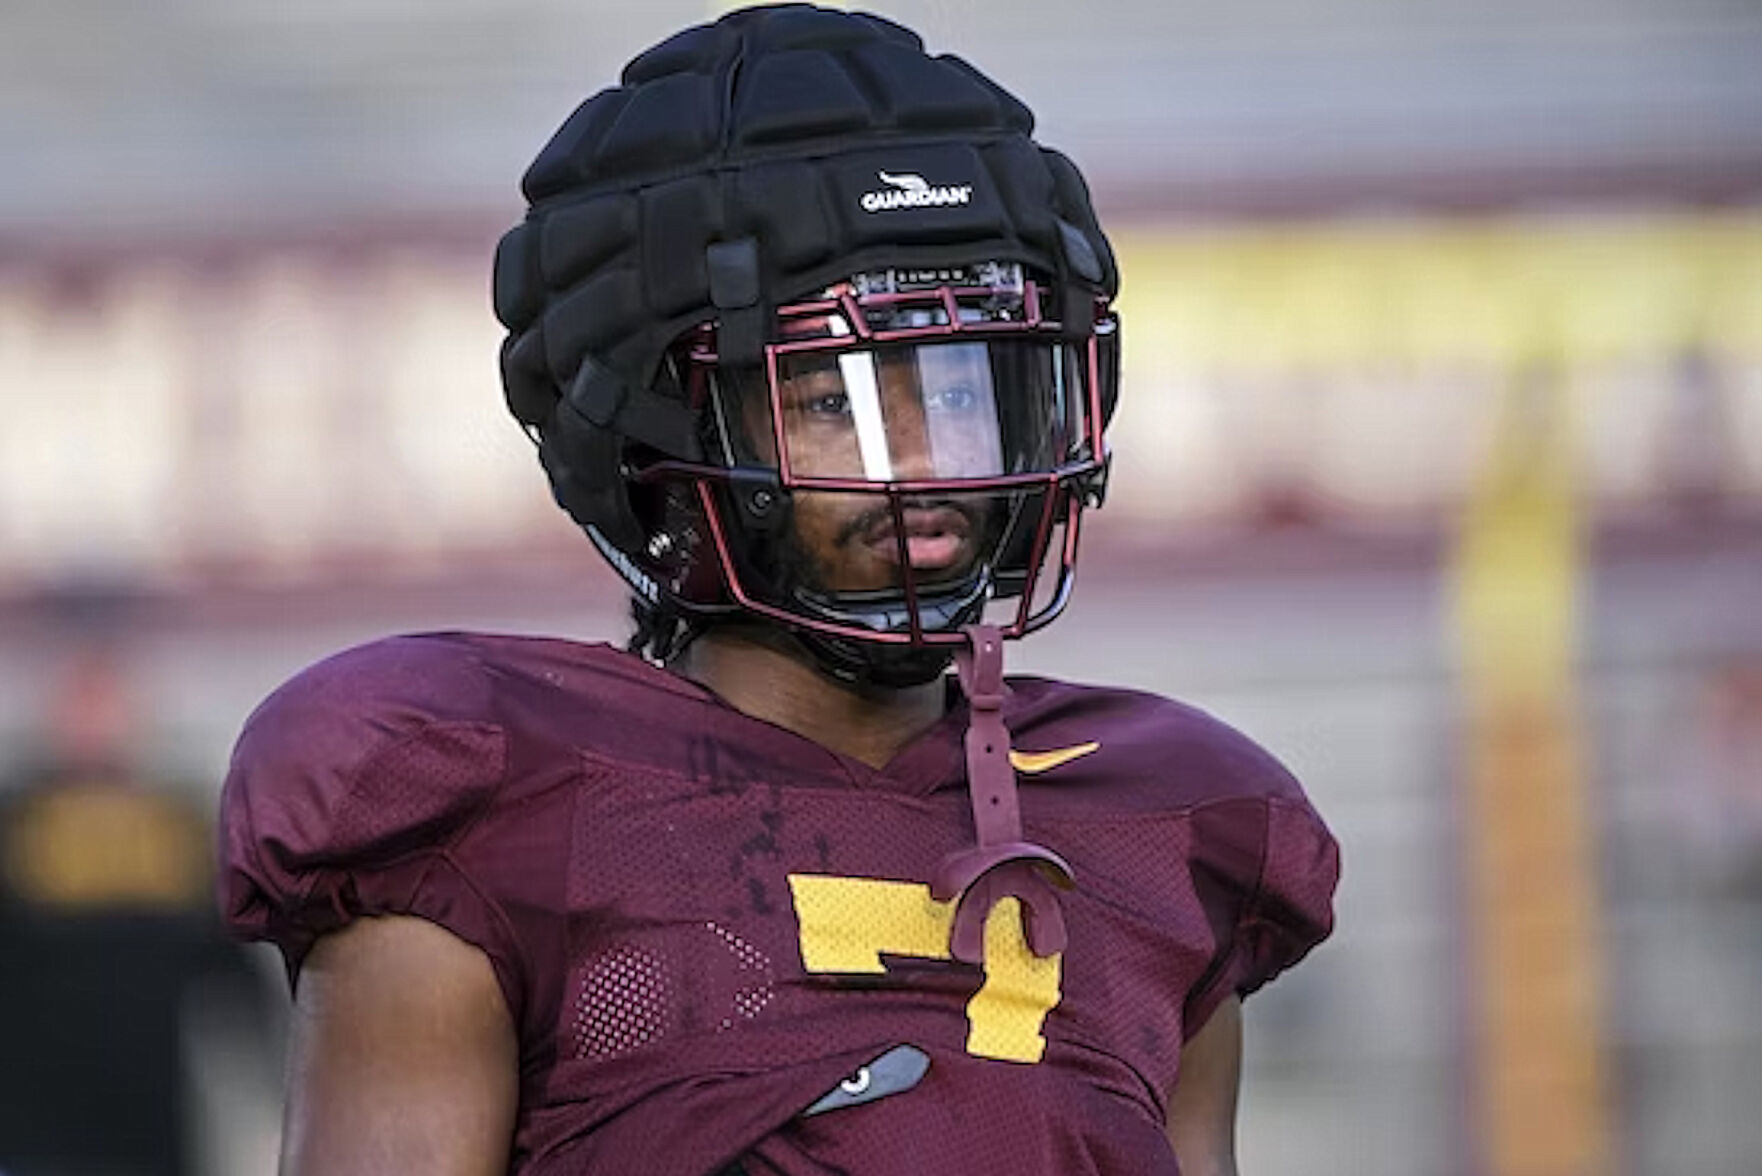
899, 1069
1002, 864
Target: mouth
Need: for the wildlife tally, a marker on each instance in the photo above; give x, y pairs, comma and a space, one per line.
936, 537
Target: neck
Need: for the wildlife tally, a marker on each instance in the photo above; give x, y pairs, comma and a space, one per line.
775, 683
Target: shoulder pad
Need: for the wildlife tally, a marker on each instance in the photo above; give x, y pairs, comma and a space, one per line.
357, 761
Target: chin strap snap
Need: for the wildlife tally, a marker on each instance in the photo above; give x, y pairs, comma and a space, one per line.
1002, 864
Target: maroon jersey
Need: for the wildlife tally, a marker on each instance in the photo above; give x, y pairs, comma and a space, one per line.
715, 936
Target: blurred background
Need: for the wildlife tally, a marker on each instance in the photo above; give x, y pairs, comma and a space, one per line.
1439, 471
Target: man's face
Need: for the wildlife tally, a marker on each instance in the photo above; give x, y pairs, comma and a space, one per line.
892, 414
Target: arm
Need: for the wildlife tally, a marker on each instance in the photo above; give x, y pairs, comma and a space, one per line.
402, 1057
1202, 1109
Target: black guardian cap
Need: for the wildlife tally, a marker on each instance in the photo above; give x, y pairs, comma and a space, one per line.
785, 166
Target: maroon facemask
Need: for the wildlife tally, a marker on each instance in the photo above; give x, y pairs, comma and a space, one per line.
912, 456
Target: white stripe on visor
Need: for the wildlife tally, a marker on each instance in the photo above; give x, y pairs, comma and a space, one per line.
860, 385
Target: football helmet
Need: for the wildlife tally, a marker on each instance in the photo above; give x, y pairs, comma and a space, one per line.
808, 329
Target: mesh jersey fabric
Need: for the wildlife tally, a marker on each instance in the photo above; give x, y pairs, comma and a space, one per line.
702, 923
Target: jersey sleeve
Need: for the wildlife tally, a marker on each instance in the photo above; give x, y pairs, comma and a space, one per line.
1292, 906
1266, 868
351, 788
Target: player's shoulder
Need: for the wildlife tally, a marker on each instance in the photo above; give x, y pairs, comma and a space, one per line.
390, 687
350, 703
1171, 752
362, 770
423, 714
418, 673
370, 722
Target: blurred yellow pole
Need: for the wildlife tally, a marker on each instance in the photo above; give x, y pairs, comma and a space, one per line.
1540, 1086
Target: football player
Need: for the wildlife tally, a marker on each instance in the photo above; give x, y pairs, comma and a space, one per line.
816, 345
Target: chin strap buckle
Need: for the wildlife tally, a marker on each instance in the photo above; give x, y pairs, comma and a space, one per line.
1002, 864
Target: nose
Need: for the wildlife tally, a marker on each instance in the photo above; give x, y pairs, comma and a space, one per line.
910, 446
908, 432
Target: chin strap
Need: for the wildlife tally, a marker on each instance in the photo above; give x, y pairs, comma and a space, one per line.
1002, 864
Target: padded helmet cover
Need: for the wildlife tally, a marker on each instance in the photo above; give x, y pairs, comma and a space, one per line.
738, 166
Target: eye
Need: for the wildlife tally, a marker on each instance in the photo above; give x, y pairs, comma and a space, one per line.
818, 394
958, 398
827, 404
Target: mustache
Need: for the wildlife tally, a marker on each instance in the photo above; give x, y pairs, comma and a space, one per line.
881, 517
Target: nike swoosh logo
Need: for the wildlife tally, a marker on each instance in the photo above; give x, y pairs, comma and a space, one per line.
1033, 762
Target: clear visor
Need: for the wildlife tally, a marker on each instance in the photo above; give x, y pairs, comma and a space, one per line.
942, 411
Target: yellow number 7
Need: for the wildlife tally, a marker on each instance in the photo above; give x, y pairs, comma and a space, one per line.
848, 924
